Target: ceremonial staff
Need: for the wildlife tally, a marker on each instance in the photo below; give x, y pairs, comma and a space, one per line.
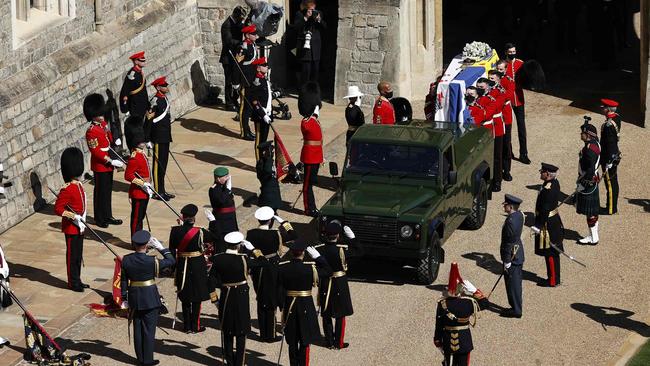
151, 153
503, 272
179, 168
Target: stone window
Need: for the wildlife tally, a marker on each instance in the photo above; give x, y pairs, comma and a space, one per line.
421, 23
31, 17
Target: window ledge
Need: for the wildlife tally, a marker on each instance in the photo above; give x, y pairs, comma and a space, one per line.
38, 22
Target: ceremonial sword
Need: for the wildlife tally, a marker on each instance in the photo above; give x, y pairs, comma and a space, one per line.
566, 255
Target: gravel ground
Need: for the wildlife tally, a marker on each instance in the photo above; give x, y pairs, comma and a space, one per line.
583, 322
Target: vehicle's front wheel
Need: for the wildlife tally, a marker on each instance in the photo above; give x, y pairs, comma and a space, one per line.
428, 267
476, 217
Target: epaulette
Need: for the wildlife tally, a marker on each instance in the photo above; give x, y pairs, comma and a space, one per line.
548, 185
318, 246
284, 262
379, 102
65, 185
344, 246
310, 263
134, 153
131, 75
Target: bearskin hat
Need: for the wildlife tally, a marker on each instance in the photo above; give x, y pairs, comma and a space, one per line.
94, 106
72, 164
531, 75
308, 99
403, 110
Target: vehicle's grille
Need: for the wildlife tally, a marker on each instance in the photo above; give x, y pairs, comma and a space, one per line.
373, 230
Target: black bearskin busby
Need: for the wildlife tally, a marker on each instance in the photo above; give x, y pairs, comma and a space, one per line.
531, 76
308, 99
403, 110
72, 164
94, 106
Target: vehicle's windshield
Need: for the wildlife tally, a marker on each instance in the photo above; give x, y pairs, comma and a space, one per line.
392, 159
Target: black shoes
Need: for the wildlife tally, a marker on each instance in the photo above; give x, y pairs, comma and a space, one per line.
114, 221
312, 213
83, 285
509, 313
165, 196
524, 159
496, 187
103, 225
249, 137
77, 289
545, 283
507, 177
152, 363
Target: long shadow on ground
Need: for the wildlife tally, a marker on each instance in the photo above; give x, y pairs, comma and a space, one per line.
609, 316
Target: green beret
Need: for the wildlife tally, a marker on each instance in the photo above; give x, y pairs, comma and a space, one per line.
220, 171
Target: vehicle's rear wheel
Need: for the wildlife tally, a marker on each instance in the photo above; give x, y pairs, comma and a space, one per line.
476, 217
428, 267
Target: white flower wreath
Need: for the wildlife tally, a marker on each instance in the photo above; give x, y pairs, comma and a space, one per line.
476, 51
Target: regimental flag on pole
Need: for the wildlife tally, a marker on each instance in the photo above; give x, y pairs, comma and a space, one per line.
43, 350
112, 304
117, 280
282, 159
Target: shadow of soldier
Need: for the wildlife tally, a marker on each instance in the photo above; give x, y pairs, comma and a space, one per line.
488, 262
643, 202
198, 125
613, 317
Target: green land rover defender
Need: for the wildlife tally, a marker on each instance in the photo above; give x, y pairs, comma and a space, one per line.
405, 189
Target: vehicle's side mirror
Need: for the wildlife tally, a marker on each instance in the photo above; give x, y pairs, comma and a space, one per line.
452, 177
334, 169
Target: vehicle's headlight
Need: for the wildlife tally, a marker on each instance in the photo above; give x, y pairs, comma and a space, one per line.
406, 231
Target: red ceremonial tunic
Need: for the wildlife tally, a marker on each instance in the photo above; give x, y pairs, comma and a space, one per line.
511, 70
487, 102
499, 95
71, 194
99, 138
383, 113
138, 163
477, 112
312, 136
509, 85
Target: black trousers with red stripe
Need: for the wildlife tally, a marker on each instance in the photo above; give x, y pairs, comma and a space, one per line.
138, 211
102, 197
191, 315
334, 335
459, 359
311, 175
553, 269
298, 353
73, 257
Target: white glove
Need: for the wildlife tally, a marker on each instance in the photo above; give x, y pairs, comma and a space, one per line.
267, 119
209, 215
118, 142
468, 287
278, 219
148, 188
308, 36
155, 243
117, 163
149, 145
229, 183
2, 190
77, 221
507, 265
348, 232
248, 245
609, 166
125, 305
235, 87
313, 252
535, 230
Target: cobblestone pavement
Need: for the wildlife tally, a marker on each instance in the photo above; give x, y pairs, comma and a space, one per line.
583, 322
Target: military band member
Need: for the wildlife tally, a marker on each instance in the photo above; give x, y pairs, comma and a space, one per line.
71, 206
334, 292
99, 139
610, 154
137, 172
512, 254
587, 199
456, 312
353, 113
231, 37
383, 112
512, 71
309, 104
158, 132
259, 95
299, 317
247, 54
229, 272
268, 177
265, 279
548, 226
186, 245
134, 99
138, 285
223, 204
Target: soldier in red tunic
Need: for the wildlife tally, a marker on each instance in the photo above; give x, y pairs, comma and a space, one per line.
474, 114
493, 100
514, 64
509, 85
99, 139
311, 156
138, 173
383, 113
71, 206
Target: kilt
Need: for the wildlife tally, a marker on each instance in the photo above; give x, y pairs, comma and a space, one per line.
588, 204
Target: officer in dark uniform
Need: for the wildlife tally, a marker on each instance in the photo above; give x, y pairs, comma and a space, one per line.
268, 177
231, 38
229, 272
610, 154
265, 280
158, 132
456, 312
139, 287
247, 54
309, 23
223, 204
512, 254
300, 320
259, 96
334, 292
587, 195
186, 245
548, 226
134, 99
